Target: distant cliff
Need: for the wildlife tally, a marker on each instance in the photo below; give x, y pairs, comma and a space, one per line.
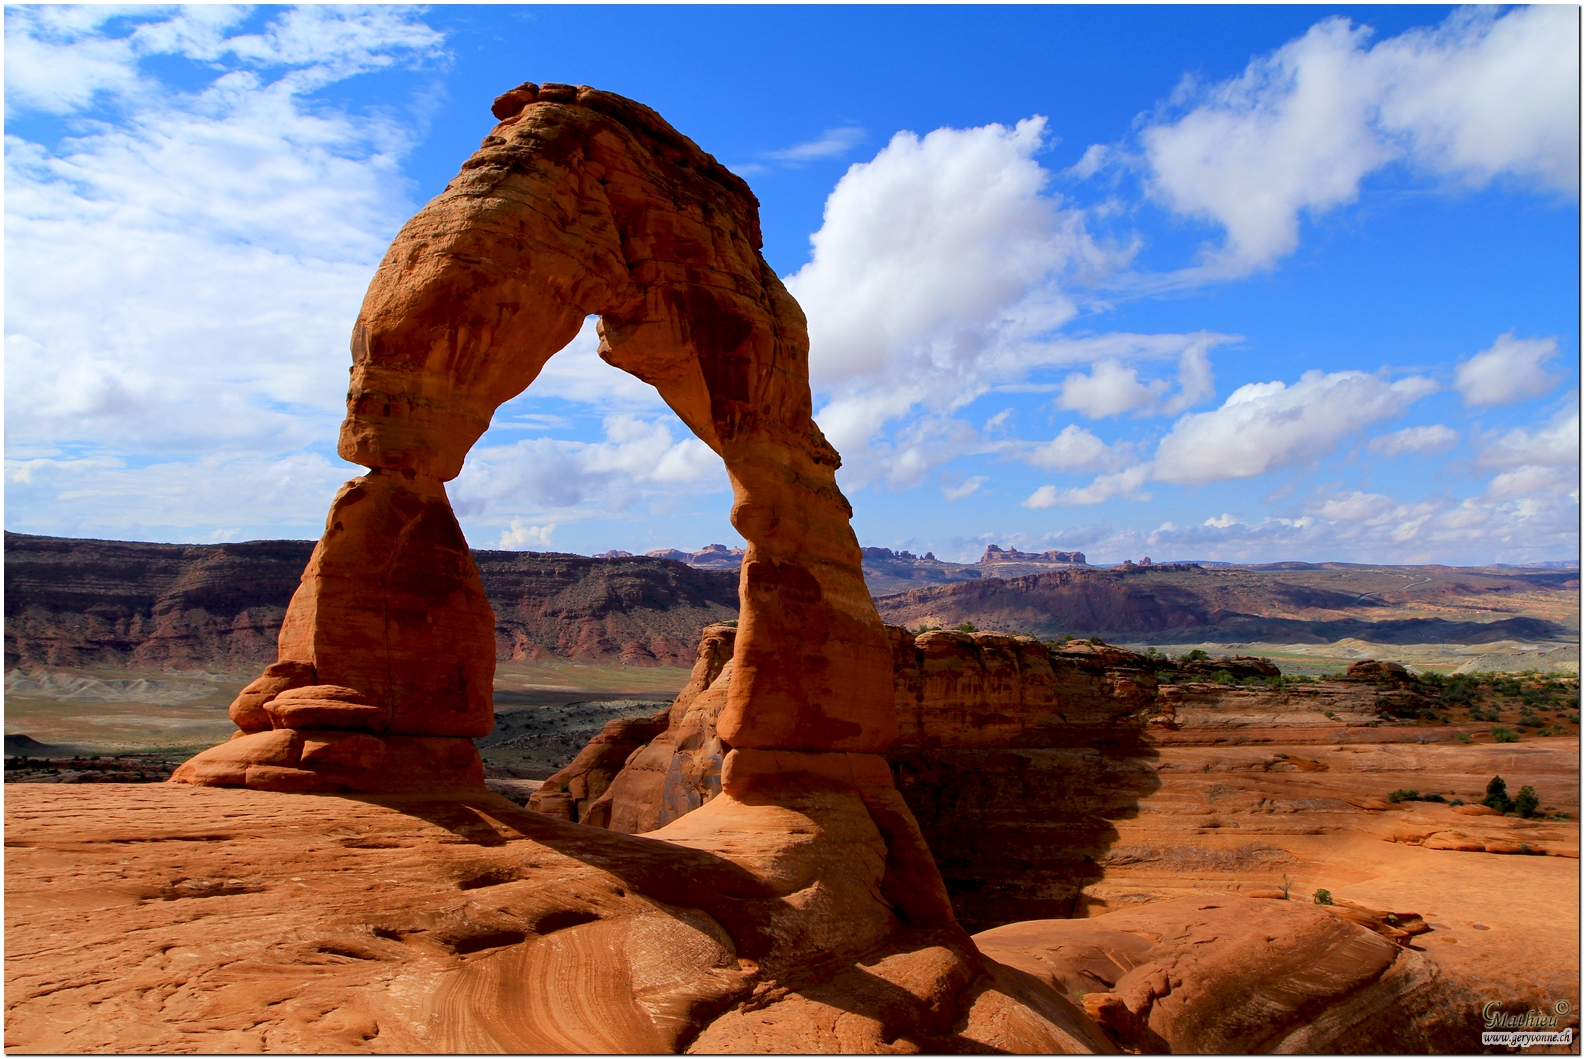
75, 602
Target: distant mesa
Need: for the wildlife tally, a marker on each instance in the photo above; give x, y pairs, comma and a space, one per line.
996, 554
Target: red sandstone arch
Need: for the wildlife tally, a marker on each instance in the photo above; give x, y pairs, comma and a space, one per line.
578, 203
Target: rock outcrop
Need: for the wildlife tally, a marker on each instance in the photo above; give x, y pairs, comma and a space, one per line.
579, 203
816, 896
1039, 773
1230, 975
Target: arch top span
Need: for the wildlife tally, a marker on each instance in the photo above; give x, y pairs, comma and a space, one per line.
578, 203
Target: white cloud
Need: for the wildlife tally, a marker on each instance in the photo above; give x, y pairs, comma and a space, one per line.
1111, 388
1424, 440
1511, 370
183, 266
833, 144
964, 489
520, 536
1263, 426
938, 275
265, 496
1221, 521
1554, 445
184, 277
1123, 484
639, 461
1480, 96
1356, 506
1076, 450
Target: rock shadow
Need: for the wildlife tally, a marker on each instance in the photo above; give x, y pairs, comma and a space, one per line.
1019, 832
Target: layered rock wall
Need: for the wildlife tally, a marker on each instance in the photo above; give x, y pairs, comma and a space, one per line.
1023, 762
73, 603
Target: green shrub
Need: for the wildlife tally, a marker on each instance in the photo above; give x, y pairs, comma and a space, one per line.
1097, 641
1496, 796
1462, 737
1221, 676
1198, 654
967, 626
1457, 801
1527, 803
1400, 795
1504, 735
1323, 897
1432, 798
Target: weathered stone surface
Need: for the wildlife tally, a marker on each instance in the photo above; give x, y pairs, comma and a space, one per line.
247, 710
164, 918
1230, 975
326, 706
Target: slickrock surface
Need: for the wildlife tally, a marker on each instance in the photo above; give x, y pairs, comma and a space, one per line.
73, 603
1230, 975
169, 918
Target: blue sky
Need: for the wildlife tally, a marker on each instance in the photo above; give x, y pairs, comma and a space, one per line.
1238, 283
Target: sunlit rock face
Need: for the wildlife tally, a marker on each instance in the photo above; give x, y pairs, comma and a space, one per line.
579, 203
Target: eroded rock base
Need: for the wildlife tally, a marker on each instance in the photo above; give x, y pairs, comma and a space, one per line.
295, 760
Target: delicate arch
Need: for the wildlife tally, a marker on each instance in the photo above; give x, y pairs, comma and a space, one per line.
582, 202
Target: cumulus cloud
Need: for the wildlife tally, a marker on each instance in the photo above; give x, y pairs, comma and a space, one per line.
1124, 484
1076, 450
942, 271
1422, 440
1511, 370
520, 537
1111, 388
1264, 426
1480, 96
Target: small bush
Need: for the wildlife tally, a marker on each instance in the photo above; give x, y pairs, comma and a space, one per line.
1433, 798
1221, 676
1504, 735
1097, 641
967, 626
1457, 801
1527, 803
1198, 654
1400, 795
1462, 737
1496, 796
1323, 897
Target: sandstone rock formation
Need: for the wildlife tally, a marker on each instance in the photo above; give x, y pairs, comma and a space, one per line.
1050, 781
812, 897
583, 203
167, 918
1231, 975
